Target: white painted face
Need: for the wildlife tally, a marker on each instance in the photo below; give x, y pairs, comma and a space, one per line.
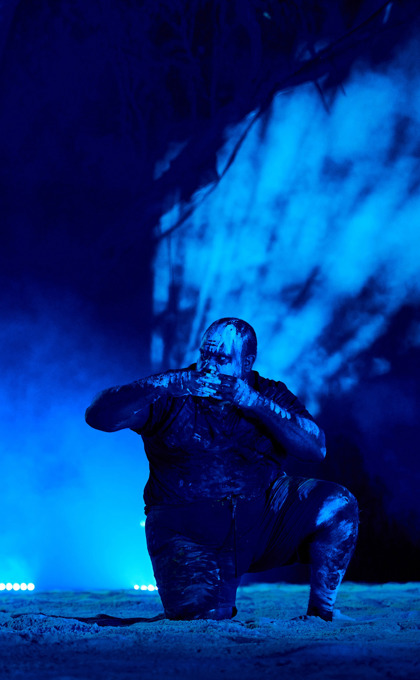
221, 351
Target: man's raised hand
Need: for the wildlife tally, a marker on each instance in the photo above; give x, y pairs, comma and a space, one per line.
237, 391
192, 383
217, 385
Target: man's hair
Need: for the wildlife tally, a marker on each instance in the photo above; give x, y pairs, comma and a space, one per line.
244, 329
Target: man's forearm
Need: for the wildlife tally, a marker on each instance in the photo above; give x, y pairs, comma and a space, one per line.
118, 407
300, 436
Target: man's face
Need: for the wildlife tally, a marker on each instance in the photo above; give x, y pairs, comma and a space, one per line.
221, 351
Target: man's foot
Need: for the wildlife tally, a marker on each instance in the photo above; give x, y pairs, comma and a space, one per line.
336, 615
221, 613
323, 613
310, 617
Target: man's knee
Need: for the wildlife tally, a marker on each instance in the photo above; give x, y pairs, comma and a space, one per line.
339, 504
206, 599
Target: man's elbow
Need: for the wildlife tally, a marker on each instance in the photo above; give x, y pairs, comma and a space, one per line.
97, 419
321, 446
322, 452
314, 441
314, 453
315, 447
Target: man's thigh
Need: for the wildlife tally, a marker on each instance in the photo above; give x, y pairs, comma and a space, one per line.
193, 558
289, 520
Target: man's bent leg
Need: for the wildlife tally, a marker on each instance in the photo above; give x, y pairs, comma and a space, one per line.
330, 550
190, 583
310, 521
195, 580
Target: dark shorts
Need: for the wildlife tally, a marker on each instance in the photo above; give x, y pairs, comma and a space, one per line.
200, 550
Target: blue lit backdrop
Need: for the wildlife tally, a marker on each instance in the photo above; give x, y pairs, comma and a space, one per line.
319, 207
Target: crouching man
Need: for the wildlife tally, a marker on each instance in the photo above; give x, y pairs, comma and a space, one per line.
218, 504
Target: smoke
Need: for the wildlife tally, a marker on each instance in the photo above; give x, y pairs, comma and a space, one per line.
71, 501
312, 236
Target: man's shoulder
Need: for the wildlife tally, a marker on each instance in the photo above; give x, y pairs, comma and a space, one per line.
264, 385
279, 392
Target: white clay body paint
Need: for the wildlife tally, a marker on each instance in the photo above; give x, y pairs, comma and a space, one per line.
330, 508
281, 411
162, 380
308, 425
346, 529
224, 340
327, 593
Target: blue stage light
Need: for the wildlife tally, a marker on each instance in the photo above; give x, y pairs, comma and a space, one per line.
16, 586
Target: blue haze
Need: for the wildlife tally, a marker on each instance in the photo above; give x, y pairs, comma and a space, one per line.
71, 501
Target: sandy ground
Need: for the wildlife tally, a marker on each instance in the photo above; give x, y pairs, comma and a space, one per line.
40, 636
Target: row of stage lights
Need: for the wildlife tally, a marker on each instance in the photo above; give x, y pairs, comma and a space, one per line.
30, 586
17, 586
